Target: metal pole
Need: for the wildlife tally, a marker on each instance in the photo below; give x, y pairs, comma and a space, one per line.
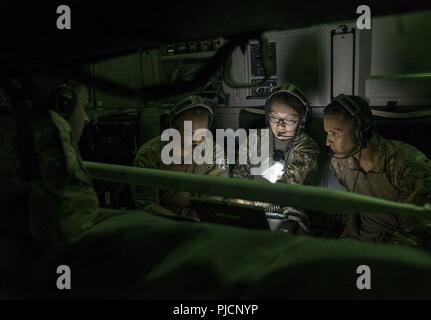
297, 196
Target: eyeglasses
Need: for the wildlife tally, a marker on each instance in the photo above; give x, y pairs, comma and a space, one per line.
288, 122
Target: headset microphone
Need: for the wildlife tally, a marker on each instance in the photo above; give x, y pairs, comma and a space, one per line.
350, 154
278, 155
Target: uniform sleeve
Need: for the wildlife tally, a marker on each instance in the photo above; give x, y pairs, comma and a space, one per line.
73, 199
80, 206
217, 169
147, 157
304, 162
414, 184
413, 181
242, 170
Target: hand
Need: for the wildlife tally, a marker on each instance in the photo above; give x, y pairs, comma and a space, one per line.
174, 200
181, 199
350, 232
299, 216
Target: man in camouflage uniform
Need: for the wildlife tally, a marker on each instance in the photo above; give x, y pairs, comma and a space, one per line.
288, 143
80, 205
287, 112
168, 202
369, 164
58, 202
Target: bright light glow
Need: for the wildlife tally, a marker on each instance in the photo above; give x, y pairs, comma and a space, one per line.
273, 173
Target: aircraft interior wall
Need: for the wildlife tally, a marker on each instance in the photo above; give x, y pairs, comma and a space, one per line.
390, 65
396, 47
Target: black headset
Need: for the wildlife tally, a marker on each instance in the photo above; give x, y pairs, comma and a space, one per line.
294, 91
63, 99
189, 103
361, 112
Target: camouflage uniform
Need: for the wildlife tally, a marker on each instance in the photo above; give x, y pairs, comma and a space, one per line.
300, 163
79, 203
59, 202
403, 174
150, 198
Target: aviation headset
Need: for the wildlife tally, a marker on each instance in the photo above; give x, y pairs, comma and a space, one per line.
189, 103
362, 134
362, 115
292, 90
63, 99
304, 117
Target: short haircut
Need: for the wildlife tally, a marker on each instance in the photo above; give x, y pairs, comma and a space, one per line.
362, 106
286, 99
196, 112
334, 109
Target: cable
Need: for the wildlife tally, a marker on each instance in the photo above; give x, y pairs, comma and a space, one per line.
359, 169
288, 146
393, 228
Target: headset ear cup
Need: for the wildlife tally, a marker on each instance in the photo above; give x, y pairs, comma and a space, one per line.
358, 136
365, 132
63, 100
305, 117
355, 135
68, 102
366, 135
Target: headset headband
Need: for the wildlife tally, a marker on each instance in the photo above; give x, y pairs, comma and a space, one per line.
189, 103
290, 89
364, 129
294, 91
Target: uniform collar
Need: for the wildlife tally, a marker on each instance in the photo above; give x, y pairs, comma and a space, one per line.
380, 163
295, 141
